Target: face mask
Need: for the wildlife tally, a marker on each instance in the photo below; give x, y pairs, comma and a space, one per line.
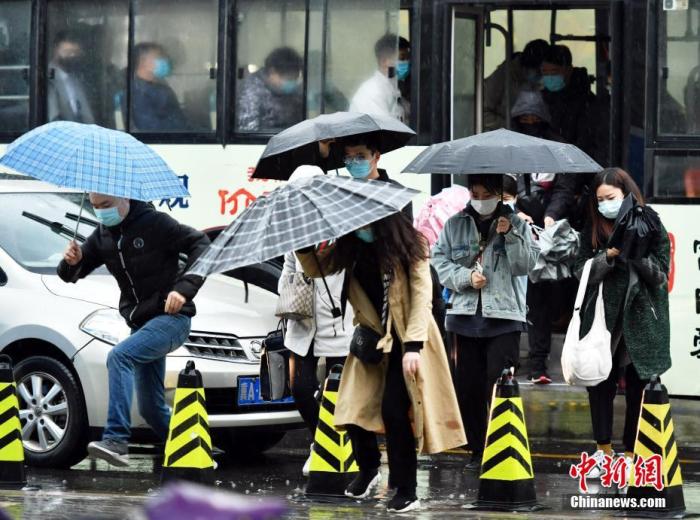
109, 217
365, 234
484, 207
554, 83
359, 169
403, 67
162, 68
533, 77
510, 203
289, 86
610, 208
69, 64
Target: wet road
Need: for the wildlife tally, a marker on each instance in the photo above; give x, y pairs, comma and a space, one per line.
98, 492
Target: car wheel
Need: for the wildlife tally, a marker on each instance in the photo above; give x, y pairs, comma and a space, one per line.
245, 444
52, 413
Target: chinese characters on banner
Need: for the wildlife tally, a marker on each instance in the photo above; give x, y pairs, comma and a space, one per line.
647, 472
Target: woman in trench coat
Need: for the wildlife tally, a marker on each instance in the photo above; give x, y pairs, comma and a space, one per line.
408, 395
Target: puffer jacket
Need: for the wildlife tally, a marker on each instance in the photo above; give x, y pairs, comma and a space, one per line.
142, 254
505, 259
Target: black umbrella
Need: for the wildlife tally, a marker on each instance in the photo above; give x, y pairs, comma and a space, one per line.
297, 145
502, 151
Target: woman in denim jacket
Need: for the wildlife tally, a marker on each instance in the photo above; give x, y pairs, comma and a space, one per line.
480, 255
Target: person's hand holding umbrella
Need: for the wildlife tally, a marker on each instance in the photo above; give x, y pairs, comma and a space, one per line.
73, 254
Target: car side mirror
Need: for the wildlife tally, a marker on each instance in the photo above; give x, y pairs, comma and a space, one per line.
3, 278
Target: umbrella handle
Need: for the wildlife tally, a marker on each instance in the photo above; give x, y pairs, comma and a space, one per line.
80, 214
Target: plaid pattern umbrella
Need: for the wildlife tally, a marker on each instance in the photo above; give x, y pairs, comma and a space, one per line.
93, 159
300, 214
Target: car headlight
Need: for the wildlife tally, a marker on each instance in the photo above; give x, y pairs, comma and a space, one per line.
106, 325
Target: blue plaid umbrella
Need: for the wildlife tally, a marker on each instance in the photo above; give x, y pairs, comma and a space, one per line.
93, 159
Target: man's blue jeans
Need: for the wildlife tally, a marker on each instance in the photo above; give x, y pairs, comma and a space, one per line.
140, 359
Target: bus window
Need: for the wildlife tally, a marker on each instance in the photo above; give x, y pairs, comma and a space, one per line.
361, 57
270, 64
15, 23
464, 74
677, 175
678, 87
174, 60
87, 57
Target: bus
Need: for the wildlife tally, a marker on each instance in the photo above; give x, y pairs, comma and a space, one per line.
92, 61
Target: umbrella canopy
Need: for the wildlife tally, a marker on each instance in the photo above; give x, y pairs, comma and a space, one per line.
502, 151
300, 214
292, 147
93, 159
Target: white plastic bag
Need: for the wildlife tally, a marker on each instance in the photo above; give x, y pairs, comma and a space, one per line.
587, 361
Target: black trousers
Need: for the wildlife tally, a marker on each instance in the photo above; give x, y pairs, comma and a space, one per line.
306, 383
400, 442
478, 365
540, 304
601, 398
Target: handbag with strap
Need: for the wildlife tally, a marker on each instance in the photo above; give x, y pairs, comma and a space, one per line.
587, 361
274, 367
365, 340
296, 299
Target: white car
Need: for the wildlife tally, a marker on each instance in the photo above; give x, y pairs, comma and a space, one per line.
58, 336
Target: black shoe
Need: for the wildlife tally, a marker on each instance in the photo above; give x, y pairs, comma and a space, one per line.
402, 503
475, 462
363, 483
113, 451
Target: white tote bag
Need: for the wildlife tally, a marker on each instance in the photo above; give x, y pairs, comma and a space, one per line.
587, 361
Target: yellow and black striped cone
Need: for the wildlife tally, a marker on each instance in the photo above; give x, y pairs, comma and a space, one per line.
655, 437
11, 447
188, 448
507, 481
333, 463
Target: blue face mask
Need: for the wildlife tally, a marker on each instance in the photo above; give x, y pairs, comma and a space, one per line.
365, 234
162, 68
109, 217
533, 77
554, 83
610, 208
403, 68
289, 86
359, 169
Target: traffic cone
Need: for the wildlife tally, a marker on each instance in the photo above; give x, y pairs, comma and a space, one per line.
506, 482
11, 447
333, 463
188, 447
655, 437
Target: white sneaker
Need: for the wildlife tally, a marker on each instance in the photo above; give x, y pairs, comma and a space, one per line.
307, 465
597, 470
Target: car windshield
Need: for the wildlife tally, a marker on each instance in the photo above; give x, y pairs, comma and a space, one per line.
33, 245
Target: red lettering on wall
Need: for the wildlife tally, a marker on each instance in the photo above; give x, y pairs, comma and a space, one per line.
231, 199
672, 269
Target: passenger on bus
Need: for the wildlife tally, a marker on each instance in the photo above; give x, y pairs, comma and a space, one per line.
635, 294
271, 99
524, 74
543, 199
567, 93
67, 97
480, 256
380, 93
403, 74
155, 107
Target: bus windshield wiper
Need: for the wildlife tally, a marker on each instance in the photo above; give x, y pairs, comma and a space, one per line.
86, 220
56, 227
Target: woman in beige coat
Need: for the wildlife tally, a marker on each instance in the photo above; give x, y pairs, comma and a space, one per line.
408, 395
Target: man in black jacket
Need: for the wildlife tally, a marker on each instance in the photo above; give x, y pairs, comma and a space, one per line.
140, 247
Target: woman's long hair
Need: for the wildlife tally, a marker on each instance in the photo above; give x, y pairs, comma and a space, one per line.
399, 245
601, 228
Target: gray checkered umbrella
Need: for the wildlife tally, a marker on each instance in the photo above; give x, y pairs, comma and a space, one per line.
300, 214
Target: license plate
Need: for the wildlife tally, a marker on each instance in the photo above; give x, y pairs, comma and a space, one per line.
249, 393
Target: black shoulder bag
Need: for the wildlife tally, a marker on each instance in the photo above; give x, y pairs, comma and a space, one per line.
363, 344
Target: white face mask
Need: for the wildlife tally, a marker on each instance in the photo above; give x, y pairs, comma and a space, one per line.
484, 207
